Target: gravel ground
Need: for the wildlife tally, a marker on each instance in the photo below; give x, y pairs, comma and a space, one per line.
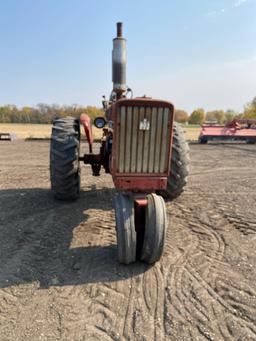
59, 276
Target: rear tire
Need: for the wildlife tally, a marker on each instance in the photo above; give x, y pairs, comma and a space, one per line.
177, 179
64, 158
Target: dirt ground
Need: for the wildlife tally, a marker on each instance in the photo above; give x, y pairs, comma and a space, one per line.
59, 276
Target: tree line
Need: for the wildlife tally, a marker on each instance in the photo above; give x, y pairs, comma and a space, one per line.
44, 113
199, 115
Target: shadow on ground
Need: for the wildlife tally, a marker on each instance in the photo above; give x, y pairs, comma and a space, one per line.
36, 233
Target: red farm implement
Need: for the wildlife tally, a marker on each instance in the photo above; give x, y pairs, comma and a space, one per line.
237, 130
141, 147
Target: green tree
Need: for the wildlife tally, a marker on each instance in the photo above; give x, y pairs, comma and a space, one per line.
93, 111
197, 116
215, 115
230, 115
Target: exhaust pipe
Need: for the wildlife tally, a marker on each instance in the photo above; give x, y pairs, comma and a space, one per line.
119, 62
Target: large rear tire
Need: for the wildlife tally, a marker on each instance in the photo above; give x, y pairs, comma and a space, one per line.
64, 158
177, 179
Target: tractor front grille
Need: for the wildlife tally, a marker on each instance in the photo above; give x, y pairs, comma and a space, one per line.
143, 139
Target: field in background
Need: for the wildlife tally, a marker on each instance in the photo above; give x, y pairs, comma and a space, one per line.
192, 132
23, 131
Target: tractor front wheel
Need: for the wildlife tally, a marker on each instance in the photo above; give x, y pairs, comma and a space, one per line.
155, 229
125, 229
140, 231
64, 158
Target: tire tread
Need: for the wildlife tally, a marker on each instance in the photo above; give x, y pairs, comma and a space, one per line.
64, 158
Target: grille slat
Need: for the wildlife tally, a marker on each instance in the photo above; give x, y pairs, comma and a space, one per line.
134, 133
158, 139
143, 139
140, 143
122, 139
152, 144
146, 143
128, 139
164, 140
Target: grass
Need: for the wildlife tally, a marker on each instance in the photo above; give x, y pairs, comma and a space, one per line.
192, 132
23, 131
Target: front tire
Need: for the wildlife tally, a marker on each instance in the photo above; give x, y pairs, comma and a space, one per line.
155, 229
125, 229
64, 158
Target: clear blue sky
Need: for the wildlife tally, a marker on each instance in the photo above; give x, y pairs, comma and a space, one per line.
199, 53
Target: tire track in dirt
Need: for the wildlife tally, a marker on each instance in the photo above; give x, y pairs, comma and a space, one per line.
184, 305
63, 273
209, 247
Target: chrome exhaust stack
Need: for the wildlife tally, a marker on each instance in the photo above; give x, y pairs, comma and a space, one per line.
119, 62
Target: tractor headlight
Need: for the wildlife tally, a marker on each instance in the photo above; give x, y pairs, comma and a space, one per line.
100, 122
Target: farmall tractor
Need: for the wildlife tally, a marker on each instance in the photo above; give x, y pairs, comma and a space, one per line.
144, 151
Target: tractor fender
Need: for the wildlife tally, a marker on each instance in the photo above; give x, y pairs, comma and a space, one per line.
86, 122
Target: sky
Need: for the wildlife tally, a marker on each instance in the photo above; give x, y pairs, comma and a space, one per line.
194, 53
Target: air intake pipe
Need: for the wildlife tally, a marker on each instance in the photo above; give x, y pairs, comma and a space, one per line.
119, 62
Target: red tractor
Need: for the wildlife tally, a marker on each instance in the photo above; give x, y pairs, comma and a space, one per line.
144, 151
